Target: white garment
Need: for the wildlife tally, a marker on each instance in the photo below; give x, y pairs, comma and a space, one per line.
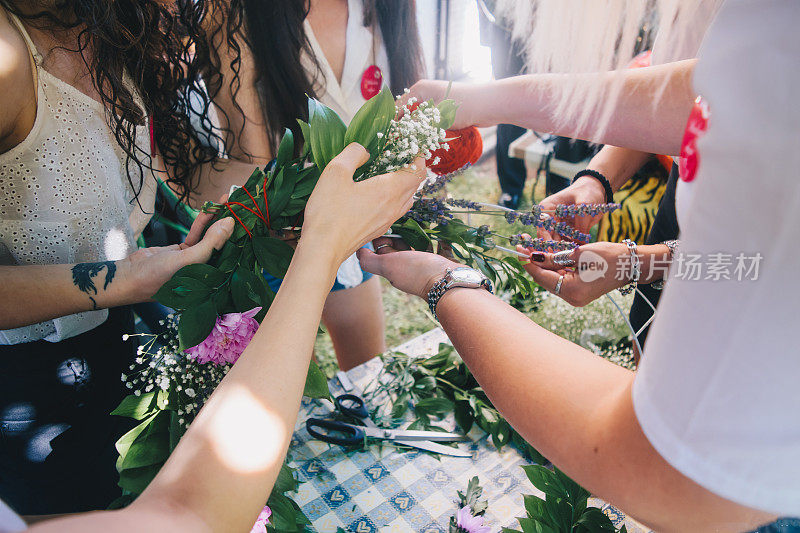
65, 196
10, 522
362, 49
717, 392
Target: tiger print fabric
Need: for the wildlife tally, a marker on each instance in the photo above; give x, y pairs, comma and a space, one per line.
639, 199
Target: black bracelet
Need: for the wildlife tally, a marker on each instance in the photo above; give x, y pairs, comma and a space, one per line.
599, 177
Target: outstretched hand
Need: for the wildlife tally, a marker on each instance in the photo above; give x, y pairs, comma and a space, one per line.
585, 190
149, 268
343, 214
411, 272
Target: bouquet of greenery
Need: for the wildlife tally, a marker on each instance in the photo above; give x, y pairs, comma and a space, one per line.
220, 304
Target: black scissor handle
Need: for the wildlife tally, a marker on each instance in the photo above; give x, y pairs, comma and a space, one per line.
335, 432
351, 405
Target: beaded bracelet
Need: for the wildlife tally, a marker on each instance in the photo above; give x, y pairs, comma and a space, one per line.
609, 192
636, 268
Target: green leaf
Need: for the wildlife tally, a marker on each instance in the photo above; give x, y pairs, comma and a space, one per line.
439, 406
196, 324
227, 258
256, 178
594, 520
182, 292
136, 407
305, 129
501, 434
124, 443
207, 274
247, 291
279, 194
316, 383
535, 526
327, 134
294, 206
447, 110
152, 448
545, 480
286, 481
306, 182
283, 513
135, 480
575, 493
176, 430
374, 116
273, 255
534, 505
413, 234
286, 148
464, 417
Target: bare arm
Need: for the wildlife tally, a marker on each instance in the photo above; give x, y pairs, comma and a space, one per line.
222, 471
529, 101
618, 164
571, 405
30, 294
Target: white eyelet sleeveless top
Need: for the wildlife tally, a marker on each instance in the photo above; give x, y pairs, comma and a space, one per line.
65, 196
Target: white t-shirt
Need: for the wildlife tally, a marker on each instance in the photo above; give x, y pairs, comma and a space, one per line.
717, 393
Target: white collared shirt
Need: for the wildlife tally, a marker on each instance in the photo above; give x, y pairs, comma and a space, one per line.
362, 50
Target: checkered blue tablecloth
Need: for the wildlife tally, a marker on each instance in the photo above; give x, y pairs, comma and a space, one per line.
384, 489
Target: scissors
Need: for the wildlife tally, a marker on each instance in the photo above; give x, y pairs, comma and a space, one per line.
343, 434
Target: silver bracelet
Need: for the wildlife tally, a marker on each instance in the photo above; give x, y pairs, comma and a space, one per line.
636, 268
672, 245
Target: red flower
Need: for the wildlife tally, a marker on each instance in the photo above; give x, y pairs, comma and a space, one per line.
695, 128
464, 148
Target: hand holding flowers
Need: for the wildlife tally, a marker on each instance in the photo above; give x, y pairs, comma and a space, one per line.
343, 214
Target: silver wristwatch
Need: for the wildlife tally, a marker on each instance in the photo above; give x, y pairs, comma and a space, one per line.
458, 277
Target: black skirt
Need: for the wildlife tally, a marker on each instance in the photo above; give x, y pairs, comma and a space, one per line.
57, 438
665, 228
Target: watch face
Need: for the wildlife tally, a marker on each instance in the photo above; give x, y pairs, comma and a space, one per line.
466, 275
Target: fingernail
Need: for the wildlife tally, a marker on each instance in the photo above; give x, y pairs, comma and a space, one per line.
228, 224
538, 257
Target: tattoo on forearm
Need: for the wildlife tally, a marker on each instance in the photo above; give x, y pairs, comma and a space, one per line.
82, 275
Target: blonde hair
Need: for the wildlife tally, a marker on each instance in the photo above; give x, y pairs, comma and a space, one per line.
599, 36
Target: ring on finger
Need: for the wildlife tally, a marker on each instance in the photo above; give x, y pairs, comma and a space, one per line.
384, 245
558, 285
563, 258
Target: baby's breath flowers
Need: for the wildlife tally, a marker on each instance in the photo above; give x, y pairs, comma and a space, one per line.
415, 134
160, 365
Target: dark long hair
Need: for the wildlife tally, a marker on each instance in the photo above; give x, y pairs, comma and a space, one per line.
274, 32
154, 44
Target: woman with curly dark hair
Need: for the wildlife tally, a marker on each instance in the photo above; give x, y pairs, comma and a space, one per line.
94, 108
341, 52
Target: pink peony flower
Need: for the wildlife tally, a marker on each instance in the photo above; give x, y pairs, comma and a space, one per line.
226, 342
468, 523
261, 522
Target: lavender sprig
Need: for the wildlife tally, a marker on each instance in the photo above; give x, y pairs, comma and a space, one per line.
464, 204
437, 183
584, 210
541, 245
431, 210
